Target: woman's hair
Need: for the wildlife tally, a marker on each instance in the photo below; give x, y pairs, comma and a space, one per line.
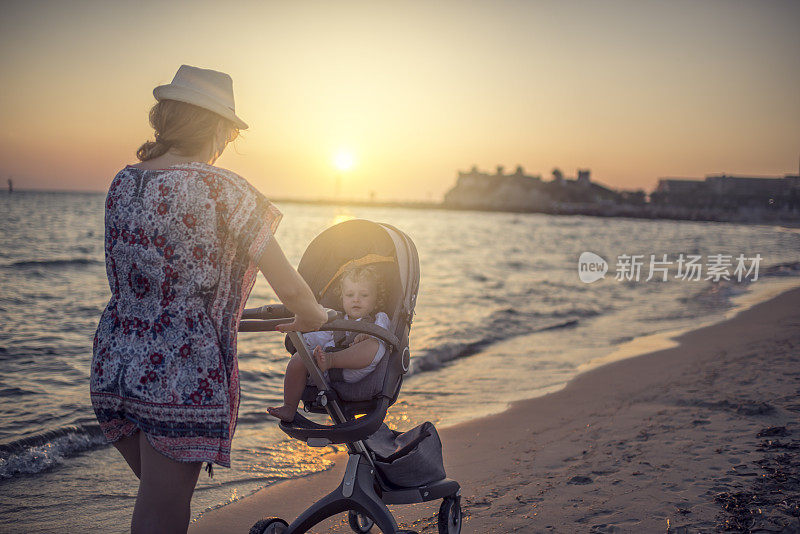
183, 127
368, 273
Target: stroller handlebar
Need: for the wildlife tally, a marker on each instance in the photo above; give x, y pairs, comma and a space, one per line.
272, 311
267, 319
279, 311
362, 327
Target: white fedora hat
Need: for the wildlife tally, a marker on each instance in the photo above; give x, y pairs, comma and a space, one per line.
205, 88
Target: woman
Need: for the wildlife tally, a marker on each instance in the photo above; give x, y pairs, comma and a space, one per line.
184, 241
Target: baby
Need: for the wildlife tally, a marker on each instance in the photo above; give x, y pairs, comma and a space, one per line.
359, 354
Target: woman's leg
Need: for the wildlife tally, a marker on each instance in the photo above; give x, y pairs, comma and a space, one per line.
129, 448
165, 492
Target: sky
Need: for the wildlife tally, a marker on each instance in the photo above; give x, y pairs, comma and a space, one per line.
411, 91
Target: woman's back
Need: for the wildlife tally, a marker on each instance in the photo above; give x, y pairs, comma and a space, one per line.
181, 246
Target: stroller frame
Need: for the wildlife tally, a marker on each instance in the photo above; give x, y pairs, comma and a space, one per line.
363, 491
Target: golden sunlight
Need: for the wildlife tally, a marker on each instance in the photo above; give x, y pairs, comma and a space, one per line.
341, 216
344, 160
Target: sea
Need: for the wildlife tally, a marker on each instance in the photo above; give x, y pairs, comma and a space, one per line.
502, 314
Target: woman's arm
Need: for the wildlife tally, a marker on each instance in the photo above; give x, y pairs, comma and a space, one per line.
291, 289
356, 356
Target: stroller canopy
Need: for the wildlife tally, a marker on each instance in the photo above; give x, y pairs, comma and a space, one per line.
360, 242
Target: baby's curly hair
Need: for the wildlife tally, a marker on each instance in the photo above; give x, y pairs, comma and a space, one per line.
368, 273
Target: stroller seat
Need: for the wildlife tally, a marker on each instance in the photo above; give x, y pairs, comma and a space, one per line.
357, 410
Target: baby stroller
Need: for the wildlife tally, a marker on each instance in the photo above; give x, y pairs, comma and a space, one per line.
365, 489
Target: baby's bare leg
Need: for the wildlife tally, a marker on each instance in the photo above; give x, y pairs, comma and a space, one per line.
293, 385
294, 382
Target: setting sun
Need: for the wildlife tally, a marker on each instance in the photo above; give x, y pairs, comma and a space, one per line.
344, 160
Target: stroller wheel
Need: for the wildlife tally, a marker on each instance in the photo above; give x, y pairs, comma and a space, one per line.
450, 516
270, 525
359, 522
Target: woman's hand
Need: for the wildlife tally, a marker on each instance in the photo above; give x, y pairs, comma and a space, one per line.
324, 359
304, 323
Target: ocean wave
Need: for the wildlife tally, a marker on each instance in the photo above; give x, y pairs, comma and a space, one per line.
499, 319
716, 294
517, 265
12, 391
573, 311
719, 293
253, 376
782, 269
56, 262
49, 449
247, 418
435, 358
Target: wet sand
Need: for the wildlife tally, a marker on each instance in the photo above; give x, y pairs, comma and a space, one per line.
704, 436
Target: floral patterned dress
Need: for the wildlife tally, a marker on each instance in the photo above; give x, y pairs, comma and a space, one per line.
181, 245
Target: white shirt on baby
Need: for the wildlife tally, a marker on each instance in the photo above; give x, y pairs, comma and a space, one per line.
325, 339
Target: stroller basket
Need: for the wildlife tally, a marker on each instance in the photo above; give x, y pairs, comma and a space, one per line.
408, 459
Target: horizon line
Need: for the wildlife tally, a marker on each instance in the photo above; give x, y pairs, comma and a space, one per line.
319, 200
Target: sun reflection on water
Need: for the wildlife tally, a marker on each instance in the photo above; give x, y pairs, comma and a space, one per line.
342, 215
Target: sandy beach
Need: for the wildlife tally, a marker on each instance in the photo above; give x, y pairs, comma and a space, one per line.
701, 437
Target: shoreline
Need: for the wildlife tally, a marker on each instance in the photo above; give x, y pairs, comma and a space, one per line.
546, 439
667, 339
620, 211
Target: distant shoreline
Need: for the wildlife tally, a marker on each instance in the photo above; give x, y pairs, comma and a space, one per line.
587, 211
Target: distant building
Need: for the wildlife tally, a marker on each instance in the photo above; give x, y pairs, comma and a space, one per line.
519, 191
580, 190
583, 177
716, 198
478, 189
729, 192
637, 197
680, 192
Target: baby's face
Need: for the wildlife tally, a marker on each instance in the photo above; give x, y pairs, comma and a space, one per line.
358, 298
